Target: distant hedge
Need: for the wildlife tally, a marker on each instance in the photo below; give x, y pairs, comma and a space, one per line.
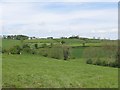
103, 62
106, 55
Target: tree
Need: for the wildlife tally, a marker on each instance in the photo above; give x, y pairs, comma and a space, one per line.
51, 44
66, 53
44, 45
19, 37
15, 50
62, 42
63, 37
74, 37
4, 37
25, 46
9, 37
83, 44
36, 46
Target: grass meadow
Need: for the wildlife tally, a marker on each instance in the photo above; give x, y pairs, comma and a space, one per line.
39, 71
36, 71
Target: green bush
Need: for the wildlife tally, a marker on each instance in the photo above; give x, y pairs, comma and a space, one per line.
25, 46
89, 61
36, 46
44, 45
45, 54
114, 64
104, 63
98, 62
104, 56
27, 50
56, 52
15, 50
4, 51
72, 57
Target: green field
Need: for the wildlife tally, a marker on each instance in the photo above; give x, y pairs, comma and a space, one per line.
36, 71
6, 44
40, 71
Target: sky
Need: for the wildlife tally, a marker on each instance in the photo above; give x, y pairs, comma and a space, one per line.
60, 19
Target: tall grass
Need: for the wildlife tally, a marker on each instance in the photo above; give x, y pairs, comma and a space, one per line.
106, 55
56, 51
53, 52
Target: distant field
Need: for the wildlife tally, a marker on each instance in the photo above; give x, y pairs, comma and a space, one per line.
78, 52
71, 42
8, 43
87, 44
36, 71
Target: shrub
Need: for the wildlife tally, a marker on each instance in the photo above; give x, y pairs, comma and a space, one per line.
45, 55
33, 51
73, 57
25, 46
51, 45
104, 63
27, 50
89, 61
15, 50
98, 62
4, 51
104, 56
36, 46
44, 45
56, 52
113, 64
62, 42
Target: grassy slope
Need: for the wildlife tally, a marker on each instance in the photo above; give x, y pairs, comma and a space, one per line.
37, 71
8, 43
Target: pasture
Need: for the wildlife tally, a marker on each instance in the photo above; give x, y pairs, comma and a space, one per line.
44, 66
32, 71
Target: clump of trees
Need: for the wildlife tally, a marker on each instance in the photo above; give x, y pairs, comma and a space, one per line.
57, 51
74, 37
36, 46
15, 50
105, 55
19, 49
16, 37
103, 62
66, 53
44, 45
26, 48
62, 42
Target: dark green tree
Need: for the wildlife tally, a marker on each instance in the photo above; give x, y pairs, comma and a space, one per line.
36, 46
66, 53
62, 42
15, 50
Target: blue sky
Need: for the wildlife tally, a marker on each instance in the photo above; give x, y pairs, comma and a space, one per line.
57, 19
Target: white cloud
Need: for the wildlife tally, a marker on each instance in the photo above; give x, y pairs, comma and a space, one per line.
109, 30
1, 21
60, 1
42, 22
25, 14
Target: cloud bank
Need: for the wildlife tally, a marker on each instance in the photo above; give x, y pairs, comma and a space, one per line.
88, 19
